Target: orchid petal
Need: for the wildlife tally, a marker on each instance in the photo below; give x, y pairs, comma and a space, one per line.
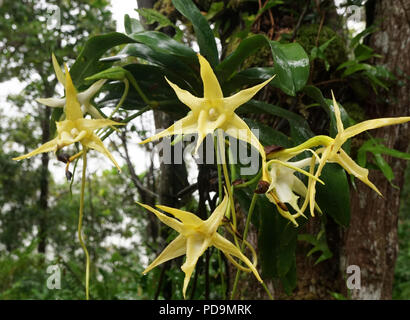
195, 247
339, 122
57, 70
186, 125
212, 89
95, 143
187, 218
175, 249
213, 222
371, 124
94, 124
47, 147
170, 222
353, 168
86, 95
233, 102
194, 103
229, 248
52, 102
72, 109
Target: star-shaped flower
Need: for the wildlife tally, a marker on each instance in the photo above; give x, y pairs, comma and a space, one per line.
84, 97
196, 235
75, 128
333, 152
213, 111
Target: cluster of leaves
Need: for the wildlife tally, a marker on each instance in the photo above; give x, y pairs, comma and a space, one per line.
148, 56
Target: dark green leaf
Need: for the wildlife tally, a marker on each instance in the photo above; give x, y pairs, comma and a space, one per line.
132, 25
203, 32
291, 64
333, 198
87, 62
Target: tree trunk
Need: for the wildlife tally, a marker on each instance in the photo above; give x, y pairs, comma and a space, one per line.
44, 182
371, 241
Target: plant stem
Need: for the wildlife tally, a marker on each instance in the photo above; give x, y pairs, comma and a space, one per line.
218, 165
80, 224
221, 150
245, 234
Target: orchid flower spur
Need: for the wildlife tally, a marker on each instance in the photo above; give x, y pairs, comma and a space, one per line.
196, 235
213, 111
285, 186
83, 97
75, 128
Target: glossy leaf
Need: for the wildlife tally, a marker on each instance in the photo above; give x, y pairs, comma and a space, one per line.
291, 65
203, 32
334, 197
88, 62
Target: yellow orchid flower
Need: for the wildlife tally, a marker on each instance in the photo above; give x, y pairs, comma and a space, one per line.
83, 97
75, 128
213, 111
196, 235
285, 187
333, 152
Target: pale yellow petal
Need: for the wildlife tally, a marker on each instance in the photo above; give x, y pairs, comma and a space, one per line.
312, 183
72, 109
212, 89
243, 96
95, 143
339, 122
175, 249
213, 222
91, 110
171, 222
94, 124
47, 147
371, 124
202, 128
186, 125
196, 246
187, 218
238, 129
57, 70
52, 102
228, 247
194, 103
353, 168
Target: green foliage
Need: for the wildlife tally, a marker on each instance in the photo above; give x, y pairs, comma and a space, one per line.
145, 57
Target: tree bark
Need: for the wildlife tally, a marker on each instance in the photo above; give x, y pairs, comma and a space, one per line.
371, 241
44, 182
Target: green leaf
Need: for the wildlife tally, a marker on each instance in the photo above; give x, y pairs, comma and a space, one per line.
160, 42
132, 25
291, 65
369, 30
289, 281
269, 136
355, 68
299, 128
87, 62
203, 32
333, 197
245, 49
166, 61
153, 16
319, 243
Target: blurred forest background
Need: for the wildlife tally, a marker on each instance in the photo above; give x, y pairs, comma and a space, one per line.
38, 207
